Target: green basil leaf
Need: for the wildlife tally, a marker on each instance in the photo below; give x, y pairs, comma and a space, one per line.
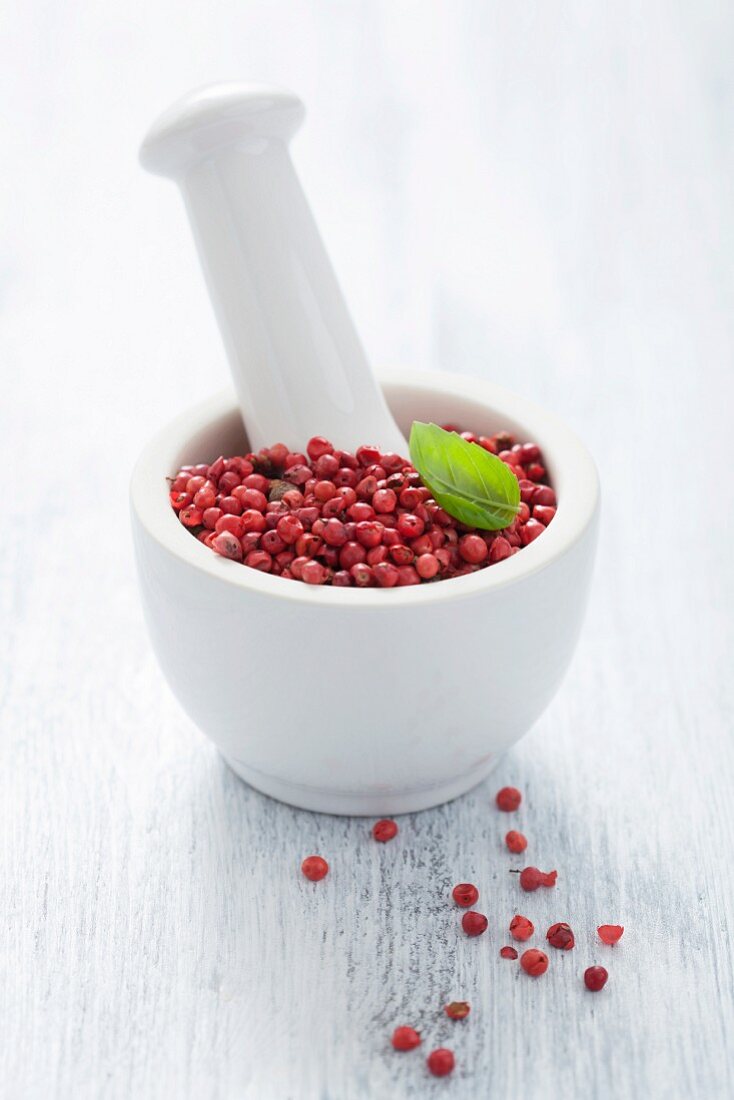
469, 483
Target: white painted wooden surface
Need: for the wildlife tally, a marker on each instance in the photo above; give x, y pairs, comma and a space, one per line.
538, 192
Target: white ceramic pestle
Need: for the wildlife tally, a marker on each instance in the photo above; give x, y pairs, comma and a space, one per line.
298, 365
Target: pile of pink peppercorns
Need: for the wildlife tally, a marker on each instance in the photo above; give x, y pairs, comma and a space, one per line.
351, 520
534, 962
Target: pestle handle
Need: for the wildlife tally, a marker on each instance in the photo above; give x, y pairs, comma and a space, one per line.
298, 365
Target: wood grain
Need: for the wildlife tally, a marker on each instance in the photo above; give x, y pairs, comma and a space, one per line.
539, 194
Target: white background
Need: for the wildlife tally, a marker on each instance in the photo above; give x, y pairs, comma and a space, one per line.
538, 193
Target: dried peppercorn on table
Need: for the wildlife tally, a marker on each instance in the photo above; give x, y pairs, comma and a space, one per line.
158, 938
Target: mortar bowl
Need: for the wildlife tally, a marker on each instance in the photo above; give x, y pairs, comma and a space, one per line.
366, 701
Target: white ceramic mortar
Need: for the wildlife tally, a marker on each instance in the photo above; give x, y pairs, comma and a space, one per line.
366, 701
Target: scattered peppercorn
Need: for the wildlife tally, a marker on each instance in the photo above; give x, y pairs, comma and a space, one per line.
405, 1038
534, 962
521, 928
360, 520
595, 978
315, 868
474, 924
508, 799
457, 1010
531, 878
384, 830
560, 936
440, 1062
515, 841
465, 894
610, 933
508, 952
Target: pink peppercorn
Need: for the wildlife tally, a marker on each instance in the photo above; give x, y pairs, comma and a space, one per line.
250, 541
384, 500
527, 488
234, 524
409, 526
534, 962
205, 498
308, 546
508, 952
385, 830
326, 466
457, 1010
232, 505
210, 518
345, 477
272, 542
366, 488
346, 460
227, 482
334, 533
252, 498
369, 533
297, 475
313, 572
216, 469
465, 894
543, 494
190, 517
405, 1038
377, 554
516, 842
351, 553
315, 868
278, 453
441, 1062
318, 446
521, 928
427, 566
531, 878
474, 924
252, 520
499, 550
544, 513
290, 529
401, 554
473, 549
508, 799
180, 500
226, 544
385, 574
409, 498
324, 490
259, 559
360, 511
362, 575
595, 978
367, 456
422, 545
610, 933
560, 936
531, 531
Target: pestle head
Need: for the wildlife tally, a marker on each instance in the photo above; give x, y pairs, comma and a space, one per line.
214, 116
